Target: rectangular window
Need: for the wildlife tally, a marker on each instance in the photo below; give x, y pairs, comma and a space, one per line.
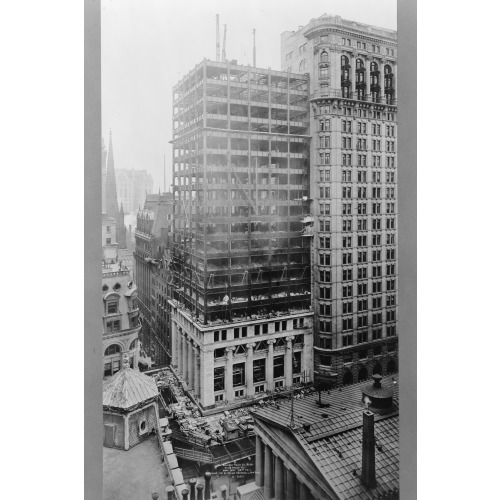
362, 336
346, 307
325, 360
347, 258
257, 330
236, 333
259, 370
216, 336
238, 374
113, 326
347, 340
362, 305
362, 257
244, 331
362, 288
112, 307
219, 379
279, 366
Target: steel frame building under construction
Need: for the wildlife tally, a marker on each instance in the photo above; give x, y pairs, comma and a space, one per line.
241, 227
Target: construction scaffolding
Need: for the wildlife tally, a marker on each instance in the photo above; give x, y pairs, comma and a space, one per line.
241, 190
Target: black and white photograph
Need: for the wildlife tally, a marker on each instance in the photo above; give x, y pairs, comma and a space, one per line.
250, 250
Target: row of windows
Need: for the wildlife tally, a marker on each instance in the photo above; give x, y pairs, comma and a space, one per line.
347, 340
347, 176
362, 192
347, 274
325, 242
362, 288
258, 371
364, 113
390, 208
242, 332
347, 160
347, 307
363, 255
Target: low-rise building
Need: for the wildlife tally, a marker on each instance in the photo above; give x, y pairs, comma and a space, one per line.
342, 444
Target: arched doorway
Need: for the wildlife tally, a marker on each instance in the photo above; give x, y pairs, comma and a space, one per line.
362, 374
391, 366
377, 369
347, 378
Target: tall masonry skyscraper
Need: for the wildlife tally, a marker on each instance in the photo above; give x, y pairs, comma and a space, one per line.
353, 174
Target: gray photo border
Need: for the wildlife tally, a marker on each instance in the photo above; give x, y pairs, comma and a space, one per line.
407, 149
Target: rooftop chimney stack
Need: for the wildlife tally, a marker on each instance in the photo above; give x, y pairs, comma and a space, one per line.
207, 485
192, 486
368, 466
199, 487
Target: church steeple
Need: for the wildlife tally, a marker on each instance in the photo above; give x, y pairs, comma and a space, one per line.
111, 196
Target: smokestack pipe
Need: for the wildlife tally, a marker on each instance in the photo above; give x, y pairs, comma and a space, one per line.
192, 485
185, 493
199, 487
207, 485
223, 490
368, 465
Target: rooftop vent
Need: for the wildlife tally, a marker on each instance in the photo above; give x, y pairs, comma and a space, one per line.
376, 397
307, 426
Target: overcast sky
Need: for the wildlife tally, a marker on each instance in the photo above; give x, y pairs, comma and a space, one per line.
148, 45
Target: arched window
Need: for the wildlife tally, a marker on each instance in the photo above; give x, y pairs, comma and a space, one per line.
388, 82
374, 82
324, 56
133, 345
303, 65
360, 79
345, 81
112, 349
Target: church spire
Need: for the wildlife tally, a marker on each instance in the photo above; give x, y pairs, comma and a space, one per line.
111, 196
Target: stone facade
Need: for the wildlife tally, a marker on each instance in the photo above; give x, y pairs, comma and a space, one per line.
238, 361
353, 123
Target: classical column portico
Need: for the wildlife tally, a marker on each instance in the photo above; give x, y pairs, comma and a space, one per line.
190, 381
270, 365
268, 472
259, 466
249, 369
289, 362
229, 373
196, 371
278, 478
290, 485
185, 344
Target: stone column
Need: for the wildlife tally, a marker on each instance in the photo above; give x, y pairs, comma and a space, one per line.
381, 78
249, 369
229, 373
173, 362
268, 472
185, 343
180, 345
196, 371
278, 478
353, 75
270, 365
289, 362
290, 485
259, 466
191, 350
304, 492
337, 72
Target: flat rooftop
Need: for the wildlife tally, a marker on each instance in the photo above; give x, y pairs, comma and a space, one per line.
134, 474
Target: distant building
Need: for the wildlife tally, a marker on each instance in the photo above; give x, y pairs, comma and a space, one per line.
346, 448
120, 310
109, 198
131, 187
153, 241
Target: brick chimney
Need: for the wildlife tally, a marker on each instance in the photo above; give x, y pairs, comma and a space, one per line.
368, 467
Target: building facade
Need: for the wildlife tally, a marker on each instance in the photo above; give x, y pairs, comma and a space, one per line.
241, 260
353, 177
132, 186
120, 318
153, 240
